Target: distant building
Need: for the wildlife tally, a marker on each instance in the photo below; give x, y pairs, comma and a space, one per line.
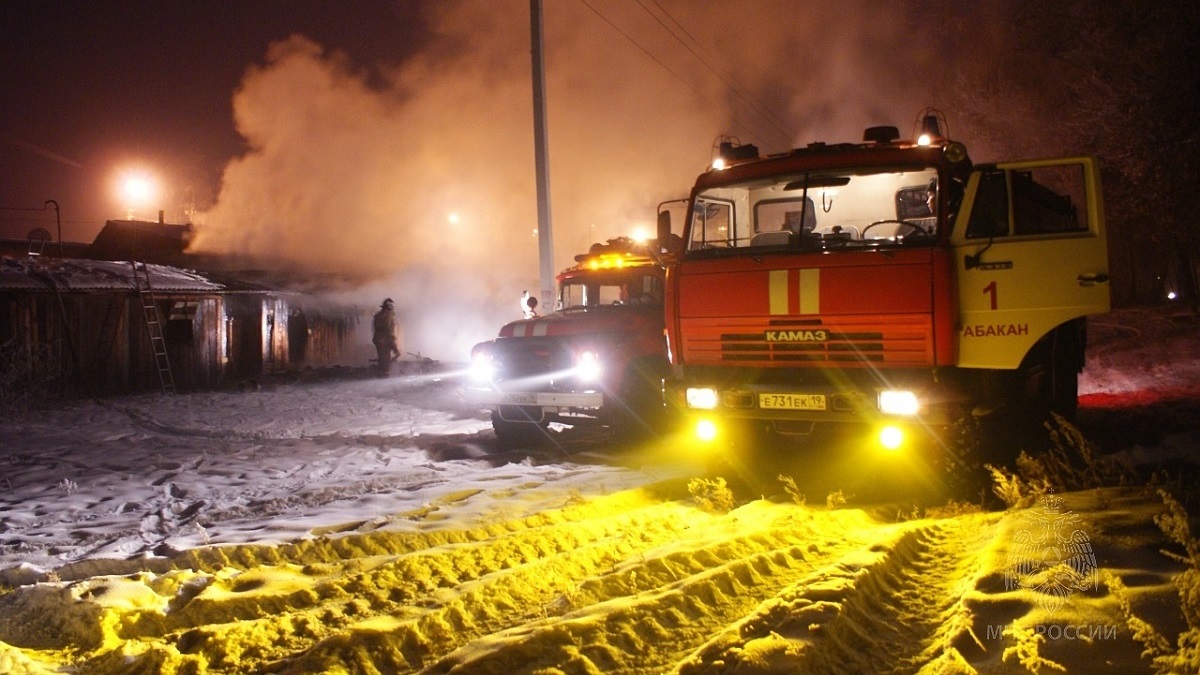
141, 240
78, 324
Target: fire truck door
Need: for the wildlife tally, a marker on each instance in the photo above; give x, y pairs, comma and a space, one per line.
1030, 254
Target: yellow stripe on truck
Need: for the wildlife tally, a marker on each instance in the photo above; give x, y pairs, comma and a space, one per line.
810, 291
808, 286
777, 291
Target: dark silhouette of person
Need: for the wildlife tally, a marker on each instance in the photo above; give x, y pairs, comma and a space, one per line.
384, 338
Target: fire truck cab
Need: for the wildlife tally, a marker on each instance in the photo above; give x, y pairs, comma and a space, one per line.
890, 282
599, 358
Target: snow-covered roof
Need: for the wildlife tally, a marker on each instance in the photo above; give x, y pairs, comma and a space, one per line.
73, 274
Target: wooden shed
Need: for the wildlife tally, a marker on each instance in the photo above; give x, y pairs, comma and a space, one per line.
83, 325
276, 325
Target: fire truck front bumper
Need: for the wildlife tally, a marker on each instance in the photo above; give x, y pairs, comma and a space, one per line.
797, 409
548, 401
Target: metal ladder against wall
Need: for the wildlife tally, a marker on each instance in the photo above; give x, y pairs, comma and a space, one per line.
141, 280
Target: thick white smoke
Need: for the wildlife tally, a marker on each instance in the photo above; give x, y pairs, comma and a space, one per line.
357, 169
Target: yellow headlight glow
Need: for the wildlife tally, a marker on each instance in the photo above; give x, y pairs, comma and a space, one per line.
706, 430
891, 437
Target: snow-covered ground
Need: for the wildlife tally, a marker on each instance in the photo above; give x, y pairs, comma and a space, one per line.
150, 475
366, 525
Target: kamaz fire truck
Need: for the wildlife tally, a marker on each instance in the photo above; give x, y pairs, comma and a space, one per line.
599, 358
890, 284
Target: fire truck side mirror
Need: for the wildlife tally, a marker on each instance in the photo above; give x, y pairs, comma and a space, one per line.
664, 229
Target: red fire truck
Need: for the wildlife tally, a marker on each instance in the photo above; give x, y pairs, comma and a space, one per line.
891, 284
599, 358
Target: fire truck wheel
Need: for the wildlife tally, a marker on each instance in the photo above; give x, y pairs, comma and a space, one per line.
1049, 376
514, 435
1045, 385
641, 413
1062, 388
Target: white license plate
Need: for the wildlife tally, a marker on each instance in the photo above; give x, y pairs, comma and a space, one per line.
520, 399
792, 401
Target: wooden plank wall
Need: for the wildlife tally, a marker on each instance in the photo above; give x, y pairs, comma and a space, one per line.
211, 339
106, 332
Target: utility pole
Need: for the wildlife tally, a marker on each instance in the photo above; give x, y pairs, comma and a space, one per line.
541, 160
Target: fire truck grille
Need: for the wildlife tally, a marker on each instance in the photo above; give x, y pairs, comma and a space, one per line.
532, 362
525, 364
889, 339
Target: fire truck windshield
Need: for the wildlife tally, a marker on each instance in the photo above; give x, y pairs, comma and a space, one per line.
815, 211
610, 290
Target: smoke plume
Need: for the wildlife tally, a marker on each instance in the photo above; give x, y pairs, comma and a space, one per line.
417, 178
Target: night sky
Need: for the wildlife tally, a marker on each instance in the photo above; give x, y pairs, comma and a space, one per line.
391, 142
285, 120
94, 88
375, 137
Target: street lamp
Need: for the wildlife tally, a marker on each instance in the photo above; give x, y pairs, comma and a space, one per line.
139, 191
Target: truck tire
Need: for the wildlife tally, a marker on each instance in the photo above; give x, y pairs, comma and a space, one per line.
639, 413
1046, 384
1050, 374
516, 435
1062, 388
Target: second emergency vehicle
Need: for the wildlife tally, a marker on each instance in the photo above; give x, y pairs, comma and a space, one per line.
599, 358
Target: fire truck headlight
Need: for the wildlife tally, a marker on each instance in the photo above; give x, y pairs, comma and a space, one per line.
702, 398
588, 367
891, 437
894, 402
482, 367
706, 430
955, 152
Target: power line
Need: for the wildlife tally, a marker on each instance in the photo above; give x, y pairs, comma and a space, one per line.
770, 118
634, 42
659, 61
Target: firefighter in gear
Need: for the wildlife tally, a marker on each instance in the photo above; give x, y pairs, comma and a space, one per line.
385, 337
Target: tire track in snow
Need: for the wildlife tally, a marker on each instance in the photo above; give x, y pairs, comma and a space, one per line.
671, 599
891, 608
453, 585
540, 590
